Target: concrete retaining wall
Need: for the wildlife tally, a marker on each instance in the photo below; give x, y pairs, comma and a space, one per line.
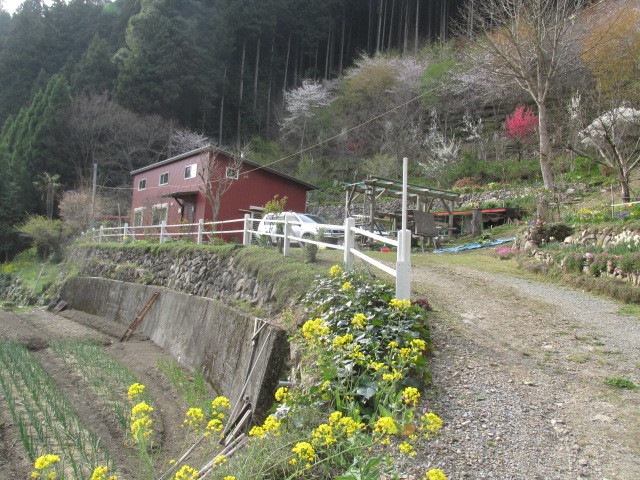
199, 332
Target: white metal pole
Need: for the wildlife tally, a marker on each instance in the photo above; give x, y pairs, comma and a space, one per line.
403, 262
405, 173
200, 230
287, 234
349, 242
246, 236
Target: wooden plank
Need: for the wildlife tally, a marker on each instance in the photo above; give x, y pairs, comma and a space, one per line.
59, 307
138, 320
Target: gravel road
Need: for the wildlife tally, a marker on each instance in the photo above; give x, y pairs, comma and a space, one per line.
519, 372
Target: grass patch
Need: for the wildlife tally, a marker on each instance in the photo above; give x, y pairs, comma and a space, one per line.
193, 389
632, 310
620, 383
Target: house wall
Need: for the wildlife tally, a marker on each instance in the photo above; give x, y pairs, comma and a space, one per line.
152, 194
254, 187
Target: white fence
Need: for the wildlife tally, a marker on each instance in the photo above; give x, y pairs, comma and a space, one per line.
202, 232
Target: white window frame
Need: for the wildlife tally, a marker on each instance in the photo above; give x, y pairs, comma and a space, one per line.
160, 206
192, 170
232, 173
160, 179
142, 184
138, 214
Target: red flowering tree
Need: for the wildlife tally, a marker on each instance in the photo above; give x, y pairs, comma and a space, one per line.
521, 126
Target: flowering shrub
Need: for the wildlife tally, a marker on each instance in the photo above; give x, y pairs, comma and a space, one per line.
369, 345
365, 350
505, 253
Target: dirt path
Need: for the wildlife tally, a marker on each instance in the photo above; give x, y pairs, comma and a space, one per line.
519, 369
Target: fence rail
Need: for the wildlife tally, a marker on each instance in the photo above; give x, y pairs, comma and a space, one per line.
199, 231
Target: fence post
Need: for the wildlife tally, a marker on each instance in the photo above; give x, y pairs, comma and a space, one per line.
93, 234
163, 231
246, 235
125, 231
403, 266
349, 242
200, 230
287, 231
100, 233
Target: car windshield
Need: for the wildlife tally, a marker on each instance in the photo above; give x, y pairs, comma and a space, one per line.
311, 218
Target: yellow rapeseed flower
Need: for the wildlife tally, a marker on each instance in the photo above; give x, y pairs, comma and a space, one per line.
305, 451
214, 425
194, 417
323, 435
141, 407
335, 271
410, 396
282, 394
400, 304
431, 423
99, 473
271, 424
229, 477
407, 449
219, 460
314, 329
385, 426
435, 474
220, 402
359, 321
135, 390
45, 460
394, 375
346, 286
343, 341
186, 473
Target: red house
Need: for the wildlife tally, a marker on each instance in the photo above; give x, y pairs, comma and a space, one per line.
182, 189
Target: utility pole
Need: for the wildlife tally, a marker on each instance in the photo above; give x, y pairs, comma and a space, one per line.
93, 193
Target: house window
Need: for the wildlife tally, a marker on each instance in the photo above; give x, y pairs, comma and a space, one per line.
164, 178
232, 173
190, 171
138, 217
142, 184
160, 213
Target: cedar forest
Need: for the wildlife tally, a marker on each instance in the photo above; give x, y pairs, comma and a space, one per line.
470, 91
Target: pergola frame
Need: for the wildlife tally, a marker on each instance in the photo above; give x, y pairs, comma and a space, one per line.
375, 187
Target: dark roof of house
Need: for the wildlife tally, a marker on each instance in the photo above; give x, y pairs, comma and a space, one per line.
245, 161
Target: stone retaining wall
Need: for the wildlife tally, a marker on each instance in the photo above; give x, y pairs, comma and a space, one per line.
196, 272
601, 236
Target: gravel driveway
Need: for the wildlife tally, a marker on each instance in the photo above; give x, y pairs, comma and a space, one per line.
519, 372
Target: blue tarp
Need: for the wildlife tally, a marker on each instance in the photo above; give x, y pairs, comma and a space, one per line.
471, 246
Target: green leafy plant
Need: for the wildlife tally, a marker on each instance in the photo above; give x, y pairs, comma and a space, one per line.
621, 383
48, 236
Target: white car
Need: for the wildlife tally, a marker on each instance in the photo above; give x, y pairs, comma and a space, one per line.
303, 225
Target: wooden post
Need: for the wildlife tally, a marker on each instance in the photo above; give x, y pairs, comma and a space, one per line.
246, 234
101, 234
476, 222
349, 242
93, 234
125, 231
